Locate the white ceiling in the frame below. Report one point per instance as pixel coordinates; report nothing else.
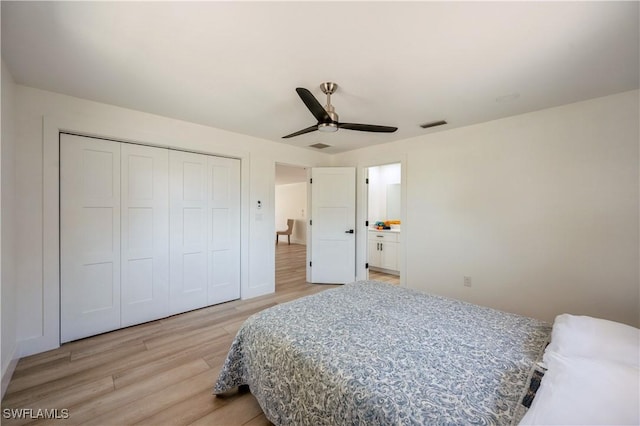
(235, 65)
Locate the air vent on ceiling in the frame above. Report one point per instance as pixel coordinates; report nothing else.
(433, 124)
(320, 145)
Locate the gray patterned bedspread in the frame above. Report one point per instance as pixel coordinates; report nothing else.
(370, 353)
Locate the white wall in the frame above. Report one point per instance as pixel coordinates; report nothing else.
(540, 209)
(7, 235)
(291, 203)
(36, 166)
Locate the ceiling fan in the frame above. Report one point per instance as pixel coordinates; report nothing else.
(327, 117)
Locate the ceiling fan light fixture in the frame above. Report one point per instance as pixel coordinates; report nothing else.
(328, 127)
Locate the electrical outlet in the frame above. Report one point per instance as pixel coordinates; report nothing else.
(467, 281)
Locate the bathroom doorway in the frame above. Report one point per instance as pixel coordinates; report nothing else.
(384, 233)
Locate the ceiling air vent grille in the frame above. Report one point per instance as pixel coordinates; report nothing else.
(320, 145)
(433, 124)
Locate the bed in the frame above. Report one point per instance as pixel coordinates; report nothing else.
(369, 353)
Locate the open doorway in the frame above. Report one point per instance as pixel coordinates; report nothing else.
(291, 241)
(384, 234)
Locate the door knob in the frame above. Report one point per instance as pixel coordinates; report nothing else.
(350, 231)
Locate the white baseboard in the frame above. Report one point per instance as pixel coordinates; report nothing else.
(8, 373)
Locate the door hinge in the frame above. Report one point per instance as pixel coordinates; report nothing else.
(310, 264)
(366, 266)
(311, 180)
(367, 181)
(310, 222)
(366, 223)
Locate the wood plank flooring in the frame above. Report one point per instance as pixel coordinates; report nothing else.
(158, 373)
(381, 276)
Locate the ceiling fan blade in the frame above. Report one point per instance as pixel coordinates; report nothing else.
(367, 127)
(314, 106)
(302, 132)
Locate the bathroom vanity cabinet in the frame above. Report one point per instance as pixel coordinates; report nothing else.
(384, 250)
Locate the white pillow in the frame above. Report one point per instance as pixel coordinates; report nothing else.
(594, 338)
(583, 391)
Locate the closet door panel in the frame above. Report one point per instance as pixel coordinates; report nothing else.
(224, 231)
(89, 236)
(188, 228)
(145, 233)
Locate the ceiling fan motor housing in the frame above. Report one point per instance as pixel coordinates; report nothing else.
(332, 112)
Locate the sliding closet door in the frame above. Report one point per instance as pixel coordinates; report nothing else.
(204, 230)
(224, 232)
(189, 226)
(89, 236)
(145, 233)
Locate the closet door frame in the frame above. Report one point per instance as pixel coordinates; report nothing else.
(210, 284)
(48, 336)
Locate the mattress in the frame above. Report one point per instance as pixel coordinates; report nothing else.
(371, 353)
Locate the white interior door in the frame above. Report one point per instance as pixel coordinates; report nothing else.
(333, 215)
(145, 233)
(189, 227)
(89, 236)
(224, 231)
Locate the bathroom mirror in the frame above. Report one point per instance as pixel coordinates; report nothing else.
(393, 201)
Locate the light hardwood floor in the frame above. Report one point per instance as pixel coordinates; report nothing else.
(158, 373)
(381, 276)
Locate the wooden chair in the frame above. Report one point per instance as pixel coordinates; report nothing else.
(288, 232)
